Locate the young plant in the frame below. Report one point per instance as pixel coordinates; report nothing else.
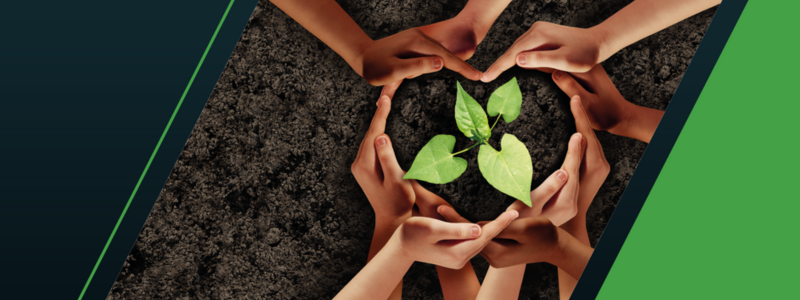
(509, 170)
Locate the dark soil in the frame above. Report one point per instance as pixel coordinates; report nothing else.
(261, 203)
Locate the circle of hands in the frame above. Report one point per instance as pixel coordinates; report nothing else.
(428, 228)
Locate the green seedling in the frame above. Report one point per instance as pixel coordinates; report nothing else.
(509, 170)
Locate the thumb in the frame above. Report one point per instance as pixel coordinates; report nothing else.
(441, 230)
(569, 85)
(391, 169)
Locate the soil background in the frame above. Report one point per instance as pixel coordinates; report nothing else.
(261, 203)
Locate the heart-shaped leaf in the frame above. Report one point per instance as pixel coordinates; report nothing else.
(509, 170)
(470, 117)
(506, 100)
(435, 163)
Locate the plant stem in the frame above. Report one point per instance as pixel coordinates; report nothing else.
(465, 150)
(495, 122)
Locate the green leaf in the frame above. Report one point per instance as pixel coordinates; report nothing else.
(506, 100)
(470, 117)
(435, 163)
(509, 170)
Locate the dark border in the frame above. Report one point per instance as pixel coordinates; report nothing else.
(621, 222)
(171, 148)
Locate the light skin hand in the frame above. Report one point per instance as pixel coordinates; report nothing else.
(456, 284)
(557, 197)
(388, 60)
(377, 172)
(607, 109)
(548, 46)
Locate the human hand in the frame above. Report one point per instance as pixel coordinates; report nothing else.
(557, 197)
(378, 173)
(459, 35)
(550, 46)
(525, 240)
(450, 245)
(606, 108)
(407, 54)
(594, 167)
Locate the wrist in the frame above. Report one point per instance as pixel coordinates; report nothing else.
(479, 22)
(603, 42)
(356, 57)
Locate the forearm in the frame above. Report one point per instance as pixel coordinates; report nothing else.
(502, 283)
(483, 13)
(573, 255)
(643, 18)
(378, 279)
(459, 284)
(331, 24)
(384, 228)
(577, 228)
(640, 124)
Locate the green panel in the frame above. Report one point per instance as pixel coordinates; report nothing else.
(723, 219)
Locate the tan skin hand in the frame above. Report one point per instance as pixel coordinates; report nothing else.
(557, 197)
(378, 173)
(606, 108)
(409, 53)
(550, 46)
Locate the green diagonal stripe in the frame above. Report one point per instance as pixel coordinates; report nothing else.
(158, 145)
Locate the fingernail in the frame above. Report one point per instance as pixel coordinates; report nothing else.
(476, 231)
(437, 62)
(382, 141)
(381, 99)
(515, 213)
(561, 175)
(557, 74)
(522, 59)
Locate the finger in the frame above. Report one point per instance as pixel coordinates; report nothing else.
(441, 230)
(412, 67)
(492, 229)
(449, 60)
(548, 189)
(515, 230)
(575, 152)
(389, 90)
(427, 202)
(548, 59)
(509, 58)
(366, 152)
(582, 119)
(569, 85)
(450, 214)
(391, 169)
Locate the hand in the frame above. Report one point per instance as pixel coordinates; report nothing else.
(407, 54)
(525, 240)
(606, 108)
(594, 167)
(378, 173)
(450, 245)
(557, 198)
(459, 35)
(550, 46)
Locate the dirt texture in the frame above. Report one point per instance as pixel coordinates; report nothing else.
(261, 203)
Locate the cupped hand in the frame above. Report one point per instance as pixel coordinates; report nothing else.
(557, 197)
(605, 106)
(550, 46)
(378, 173)
(594, 167)
(409, 53)
(449, 245)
